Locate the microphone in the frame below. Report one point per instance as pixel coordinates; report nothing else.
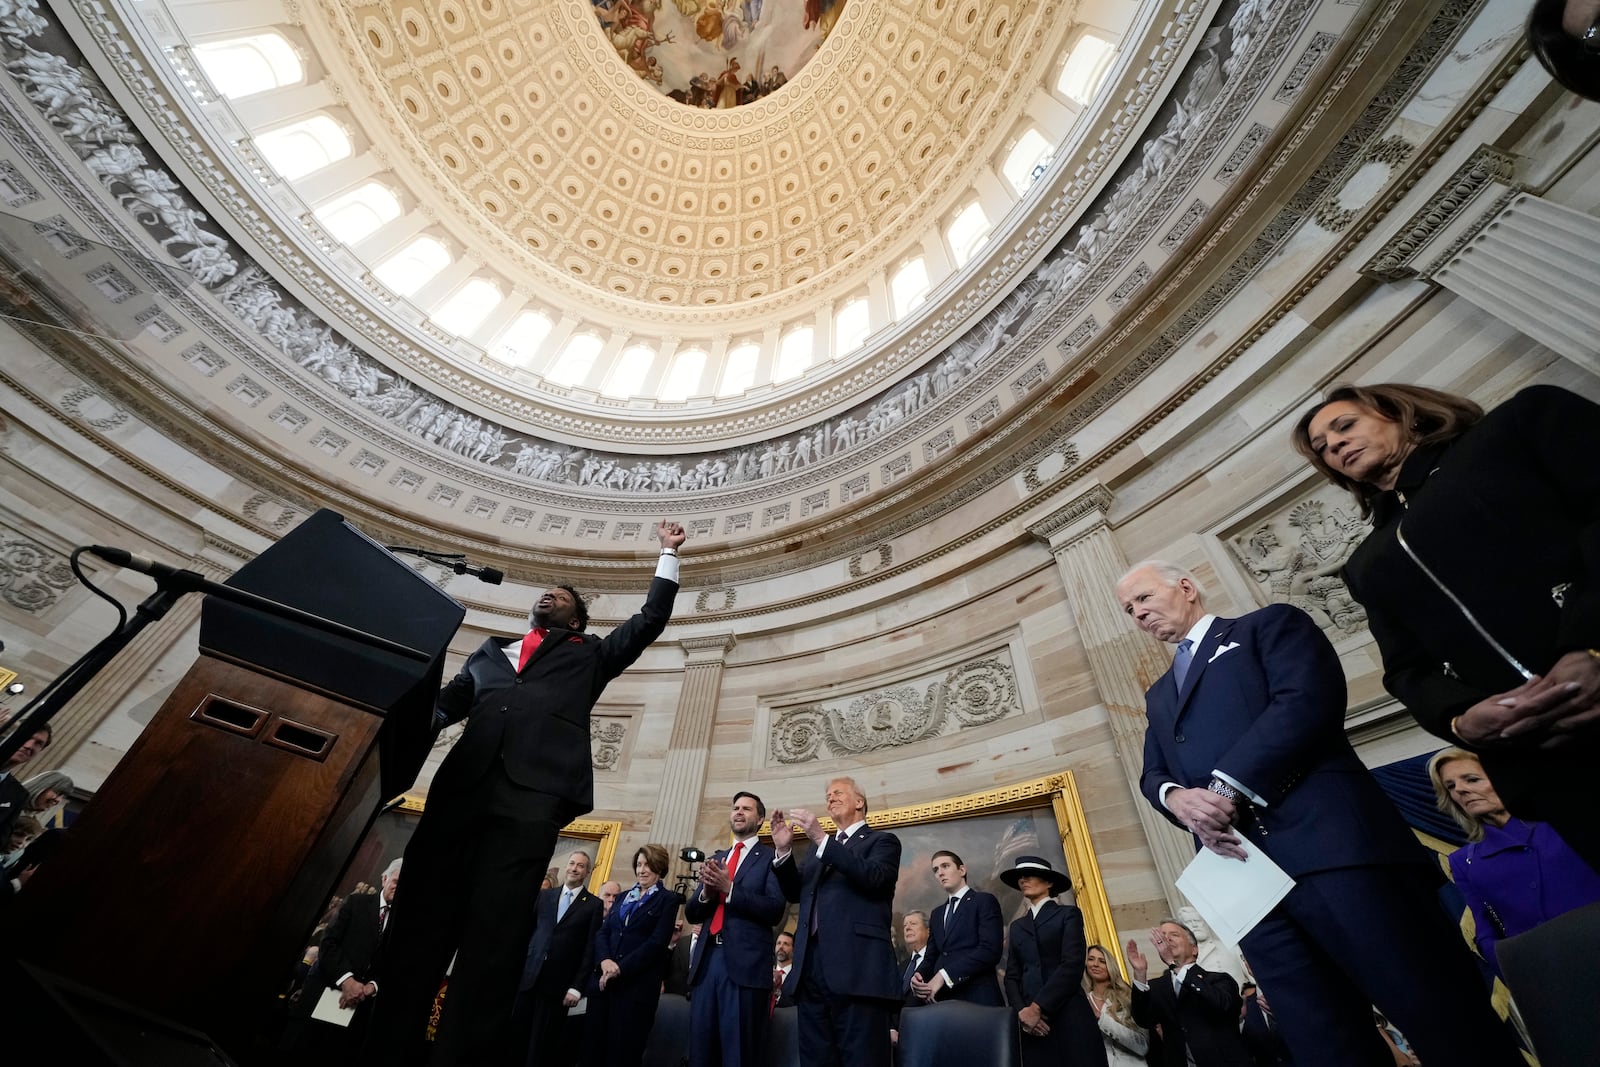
(455, 561)
(484, 574)
(161, 572)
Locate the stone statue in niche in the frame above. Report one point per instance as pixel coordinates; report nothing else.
(1296, 555)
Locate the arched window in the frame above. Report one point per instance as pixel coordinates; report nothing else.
(577, 356)
(1085, 68)
(627, 377)
(684, 377)
(909, 286)
(410, 268)
(467, 307)
(356, 214)
(851, 326)
(248, 65)
(305, 146)
(523, 338)
(1027, 160)
(739, 369)
(968, 232)
(794, 354)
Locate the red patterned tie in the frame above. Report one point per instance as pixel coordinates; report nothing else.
(733, 867)
(530, 645)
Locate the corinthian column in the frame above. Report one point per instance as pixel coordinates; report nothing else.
(1125, 661)
(683, 780)
(77, 721)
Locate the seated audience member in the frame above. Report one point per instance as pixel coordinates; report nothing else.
(914, 928)
(1565, 35)
(1259, 1028)
(13, 796)
(23, 832)
(631, 947)
(45, 791)
(1111, 1000)
(1197, 1011)
(1513, 874)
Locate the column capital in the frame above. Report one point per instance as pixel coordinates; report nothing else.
(1082, 514)
(711, 649)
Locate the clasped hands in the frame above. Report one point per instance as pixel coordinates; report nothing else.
(1210, 816)
(353, 991)
(927, 989)
(1544, 712)
(1032, 1020)
(608, 971)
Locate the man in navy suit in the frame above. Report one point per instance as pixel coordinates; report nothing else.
(560, 957)
(738, 905)
(966, 938)
(520, 771)
(1196, 1009)
(844, 978)
(1245, 736)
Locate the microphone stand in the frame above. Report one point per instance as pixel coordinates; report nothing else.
(169, 589)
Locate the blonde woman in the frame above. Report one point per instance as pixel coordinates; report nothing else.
(1109, 996)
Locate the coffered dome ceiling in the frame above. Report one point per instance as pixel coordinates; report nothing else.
(526, 123)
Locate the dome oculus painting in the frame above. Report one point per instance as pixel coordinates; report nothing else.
(717, 53)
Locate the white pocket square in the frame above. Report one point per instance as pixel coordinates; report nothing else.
(1229, 647)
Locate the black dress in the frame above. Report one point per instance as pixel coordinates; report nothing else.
(1507, 518)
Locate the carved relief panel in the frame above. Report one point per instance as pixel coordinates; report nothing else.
(1294, 554)
(935, 703)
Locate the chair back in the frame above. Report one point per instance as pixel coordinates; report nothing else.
(957, 1032)
(1543, 968)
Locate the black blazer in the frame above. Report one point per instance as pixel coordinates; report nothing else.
(851, 892)
(639, 945)
(561, 954)
(350, 944)
(1044, 960)
(537, 721)
(967, 949)
(13, 802)
(1205, 1016)
(756, 907)
(1266, 1045)
(1264, 702)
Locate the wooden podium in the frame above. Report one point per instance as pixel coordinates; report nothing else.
(189, 884)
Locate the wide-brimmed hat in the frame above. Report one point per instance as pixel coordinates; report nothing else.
(1039, 867)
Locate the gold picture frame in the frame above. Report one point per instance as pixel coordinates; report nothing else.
(1056, 792)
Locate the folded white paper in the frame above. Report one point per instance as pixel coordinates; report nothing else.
(328, 1009)
(1234, 895)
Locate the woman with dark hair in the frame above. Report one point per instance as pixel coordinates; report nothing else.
(1481, 576)
(625, 989)
(1565, 35)
(1513, 874)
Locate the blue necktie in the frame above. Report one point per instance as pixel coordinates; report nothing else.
(1180, 662)
(566, 902)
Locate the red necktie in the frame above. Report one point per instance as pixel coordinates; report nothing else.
(530, 645)
(733, 867)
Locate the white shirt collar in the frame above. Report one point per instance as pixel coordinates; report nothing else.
(747, 842)
(959, 893)
(1036, 907)
(853, 828)
(1197, 632)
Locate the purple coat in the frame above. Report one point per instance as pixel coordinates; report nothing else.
(1517, 877)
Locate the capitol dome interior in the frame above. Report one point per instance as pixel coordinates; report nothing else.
(926, 331)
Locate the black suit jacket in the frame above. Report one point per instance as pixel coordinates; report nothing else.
(13, 802)
(561, 954)
(850, 890)
(639, 945)
(1205, 1016)
(1044, 959)
(1262, 1038)
(351, 943)
(755, 907)
(1264, 702)
(536, 721)
(967, 949)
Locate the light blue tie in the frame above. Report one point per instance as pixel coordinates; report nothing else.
(566, 902)
(1180, 662)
